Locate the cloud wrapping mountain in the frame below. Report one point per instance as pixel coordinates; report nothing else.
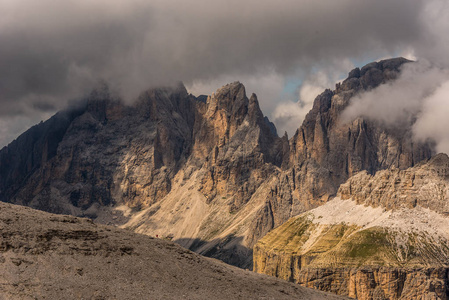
(418, 98)
(53, 51)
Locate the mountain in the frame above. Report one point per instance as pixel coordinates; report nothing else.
(383, 237)
(47, 256)
(207, 172)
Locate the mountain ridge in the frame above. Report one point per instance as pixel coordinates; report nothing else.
(211, 170)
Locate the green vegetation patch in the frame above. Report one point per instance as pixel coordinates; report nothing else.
(289, 236)
(343, 245)
(368, 245)
(330, 238)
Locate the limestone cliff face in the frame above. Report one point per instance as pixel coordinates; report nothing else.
(336, 150)
(241, 151)
(425, 186)
(209, 172)
(384, 237)
(31, 151)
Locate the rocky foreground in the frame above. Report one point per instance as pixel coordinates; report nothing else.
(386, 236)
(46, 256)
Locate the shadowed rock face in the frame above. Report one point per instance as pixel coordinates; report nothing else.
(46, 256)
(32, 150)
(107, 153)
(191, 168)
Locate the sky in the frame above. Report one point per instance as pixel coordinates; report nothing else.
(286, 52)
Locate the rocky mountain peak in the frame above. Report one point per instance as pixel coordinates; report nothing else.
(231, 91)
(372, 74)
(359, 144)
(230, 99)
(164, 100)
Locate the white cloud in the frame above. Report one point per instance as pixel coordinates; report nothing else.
(288, 115)
(433, 121)
(397, 103)
(418, 98)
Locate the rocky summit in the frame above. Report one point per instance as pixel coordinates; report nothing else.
(211, 174)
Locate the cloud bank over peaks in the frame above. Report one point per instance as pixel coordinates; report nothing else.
(420, 96)
(52, 51)
(56, 48)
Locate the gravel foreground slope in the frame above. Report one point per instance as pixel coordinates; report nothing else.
(47, 256)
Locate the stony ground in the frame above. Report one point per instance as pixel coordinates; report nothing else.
(46, 256)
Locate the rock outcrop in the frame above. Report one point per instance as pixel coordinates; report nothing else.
(209, 172)
(425, 185)
(384, 237)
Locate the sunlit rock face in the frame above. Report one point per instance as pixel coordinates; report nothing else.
(208, 172)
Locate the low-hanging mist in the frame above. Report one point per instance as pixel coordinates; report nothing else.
(419, 98)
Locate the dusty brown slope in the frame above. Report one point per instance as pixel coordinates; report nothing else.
(46, 256)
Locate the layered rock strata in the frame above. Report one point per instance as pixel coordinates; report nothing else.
(388, 239)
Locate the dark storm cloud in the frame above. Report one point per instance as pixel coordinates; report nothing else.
(52, 51)
(46, 45)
